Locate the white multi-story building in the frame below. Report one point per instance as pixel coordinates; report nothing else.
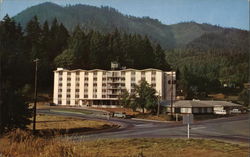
(103, 88)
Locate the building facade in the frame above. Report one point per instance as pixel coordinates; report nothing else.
(103, 88)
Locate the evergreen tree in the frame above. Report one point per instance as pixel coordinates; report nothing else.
(146, 98)
(13, 110)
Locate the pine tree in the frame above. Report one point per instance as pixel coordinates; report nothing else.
(13, 110)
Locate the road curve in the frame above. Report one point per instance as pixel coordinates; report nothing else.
(230, 128)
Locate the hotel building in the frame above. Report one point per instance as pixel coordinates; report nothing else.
(102, 88)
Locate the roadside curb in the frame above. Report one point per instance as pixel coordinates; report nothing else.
(148, 120)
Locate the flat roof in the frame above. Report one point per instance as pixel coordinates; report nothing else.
(129, 69)
(203, 103)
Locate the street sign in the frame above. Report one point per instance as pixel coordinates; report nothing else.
(188, 119)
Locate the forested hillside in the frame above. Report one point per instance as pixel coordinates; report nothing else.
(212, 62)
(106, 19)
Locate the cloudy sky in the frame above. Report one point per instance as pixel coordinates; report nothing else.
(226, 13)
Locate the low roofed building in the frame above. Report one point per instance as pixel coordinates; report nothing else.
(203, 106)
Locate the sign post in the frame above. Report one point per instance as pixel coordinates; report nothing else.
(188, 119)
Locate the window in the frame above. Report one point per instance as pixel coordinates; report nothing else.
(94, 96)
(59, 95)
(60, 72)
(86, 73)
(77, 96)
(132, 84)
(95, 73)
(115, 74)
(68, 95)
(78, 73)
(78, 79)
(123, 78)
(85, 96)
(60, 84)
(95, 78)
(104, 84)
(94, 90)
(68, 79)
(86, 79)
(123, 84)
(104, 79)
(143, 78)
(85, 90)
(104, 73)
(68, 84)
(86, 85)
(103, 96)
(59, 102)
(153, 72)
(153, 85)
(103, 90)
(60, 79)
(77, 84)
(153, 78)
(68, 90)
(77, 90)
(123, 73)
(133, 72)
(68, 73)
(95, 84)
(132, 78)
(68, 102)
(59, 90)
(143, 73)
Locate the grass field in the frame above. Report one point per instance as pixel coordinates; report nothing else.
(62, 122)
(31, 146)
(52, 125)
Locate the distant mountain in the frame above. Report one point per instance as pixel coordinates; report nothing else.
(106, 19)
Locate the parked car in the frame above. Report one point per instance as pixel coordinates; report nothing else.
(120, 114)
(51, 104)
(222, 112)
(235, 111)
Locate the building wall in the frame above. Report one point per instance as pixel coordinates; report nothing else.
(55, 92)
(170, 85)
(76, 87)
(186, 110)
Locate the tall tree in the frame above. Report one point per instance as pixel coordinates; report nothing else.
(13, 110)
(146, 97)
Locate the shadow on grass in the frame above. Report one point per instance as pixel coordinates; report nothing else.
(51, 121)
(74, 131)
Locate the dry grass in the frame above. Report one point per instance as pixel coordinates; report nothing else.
(62, 122)
(22, 144)
(126, 110)
(50, 125)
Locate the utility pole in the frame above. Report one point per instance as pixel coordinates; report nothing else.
(171, 94)
(158, 109)
(35, 97)
(1, 106)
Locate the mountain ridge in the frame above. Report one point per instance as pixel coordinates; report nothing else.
(106, 19)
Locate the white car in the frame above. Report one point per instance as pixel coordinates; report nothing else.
(120, 115)
(222, 112)
(235, 111)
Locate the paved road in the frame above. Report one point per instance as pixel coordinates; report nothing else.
(231, 128)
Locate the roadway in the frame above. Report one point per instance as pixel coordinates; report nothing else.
(234, 128)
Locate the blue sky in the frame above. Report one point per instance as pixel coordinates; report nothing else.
(226, 13)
